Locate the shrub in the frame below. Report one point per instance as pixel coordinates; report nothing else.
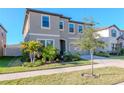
(35, 64)
(71, 57)
(122, 51)
(43, 61)
(25, 57)
(58, 57)
(75, 57)
(101, 53)
(49, 53)
(28, 64)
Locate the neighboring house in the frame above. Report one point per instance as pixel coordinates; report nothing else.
(2, 40)
(112, 36)
(52, 29)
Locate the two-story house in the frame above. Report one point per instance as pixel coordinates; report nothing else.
(52, 29)
(2, 40)
(112, 36)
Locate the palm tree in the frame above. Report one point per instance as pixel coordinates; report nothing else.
(31, 48)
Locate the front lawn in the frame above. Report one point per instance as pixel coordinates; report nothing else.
(117, 57)
(8, 61)
(5, 69)
(107, 76)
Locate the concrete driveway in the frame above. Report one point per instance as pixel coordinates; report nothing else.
(106, 61)
(87, 57)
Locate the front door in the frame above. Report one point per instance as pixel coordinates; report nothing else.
(62, 47)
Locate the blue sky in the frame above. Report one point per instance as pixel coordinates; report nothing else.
(13, 18)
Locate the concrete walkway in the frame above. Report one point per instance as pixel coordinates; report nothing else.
(102, 62)
(47, 72)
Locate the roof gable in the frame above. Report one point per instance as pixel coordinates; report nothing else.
(3, 28)
(104, 28)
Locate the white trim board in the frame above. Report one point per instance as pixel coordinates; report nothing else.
(73, 38)
(44, 35)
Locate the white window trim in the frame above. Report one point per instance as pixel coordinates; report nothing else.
(46, 41)
(74, 29)
(49, 22)
(78, 28)
(44, 34)
(63, 26)
(73, 38)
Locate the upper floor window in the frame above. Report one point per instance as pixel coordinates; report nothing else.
(80, 29)
(113, 33)
(71, 28)
(45, 21)
(61, 25)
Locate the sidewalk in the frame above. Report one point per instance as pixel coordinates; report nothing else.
(101, 63)
(47, 72)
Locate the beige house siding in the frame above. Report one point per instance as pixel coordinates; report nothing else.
(37, 32)
(27, 26)
(35, 24)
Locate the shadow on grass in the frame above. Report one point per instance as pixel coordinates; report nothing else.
(6, 60)
(75, 62)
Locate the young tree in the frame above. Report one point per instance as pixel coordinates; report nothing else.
(32, 48)
(89, 41)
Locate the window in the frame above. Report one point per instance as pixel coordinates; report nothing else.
(80, 29)
(113, 33)
(42, 42)
(71, 28)
(45, 21)
(61, 25)
(47, 42)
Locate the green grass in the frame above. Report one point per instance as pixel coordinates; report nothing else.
(9, 61)
(117, 57)
(5, 69)
(107, 76)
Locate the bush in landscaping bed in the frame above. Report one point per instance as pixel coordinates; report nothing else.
(71, 57)
(104, 54)
(27, 64)
(122, 51)
(49, 53)
(24, 57)
(35, 64)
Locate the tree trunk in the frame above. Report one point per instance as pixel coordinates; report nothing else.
(91, 53)
(31, 57)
